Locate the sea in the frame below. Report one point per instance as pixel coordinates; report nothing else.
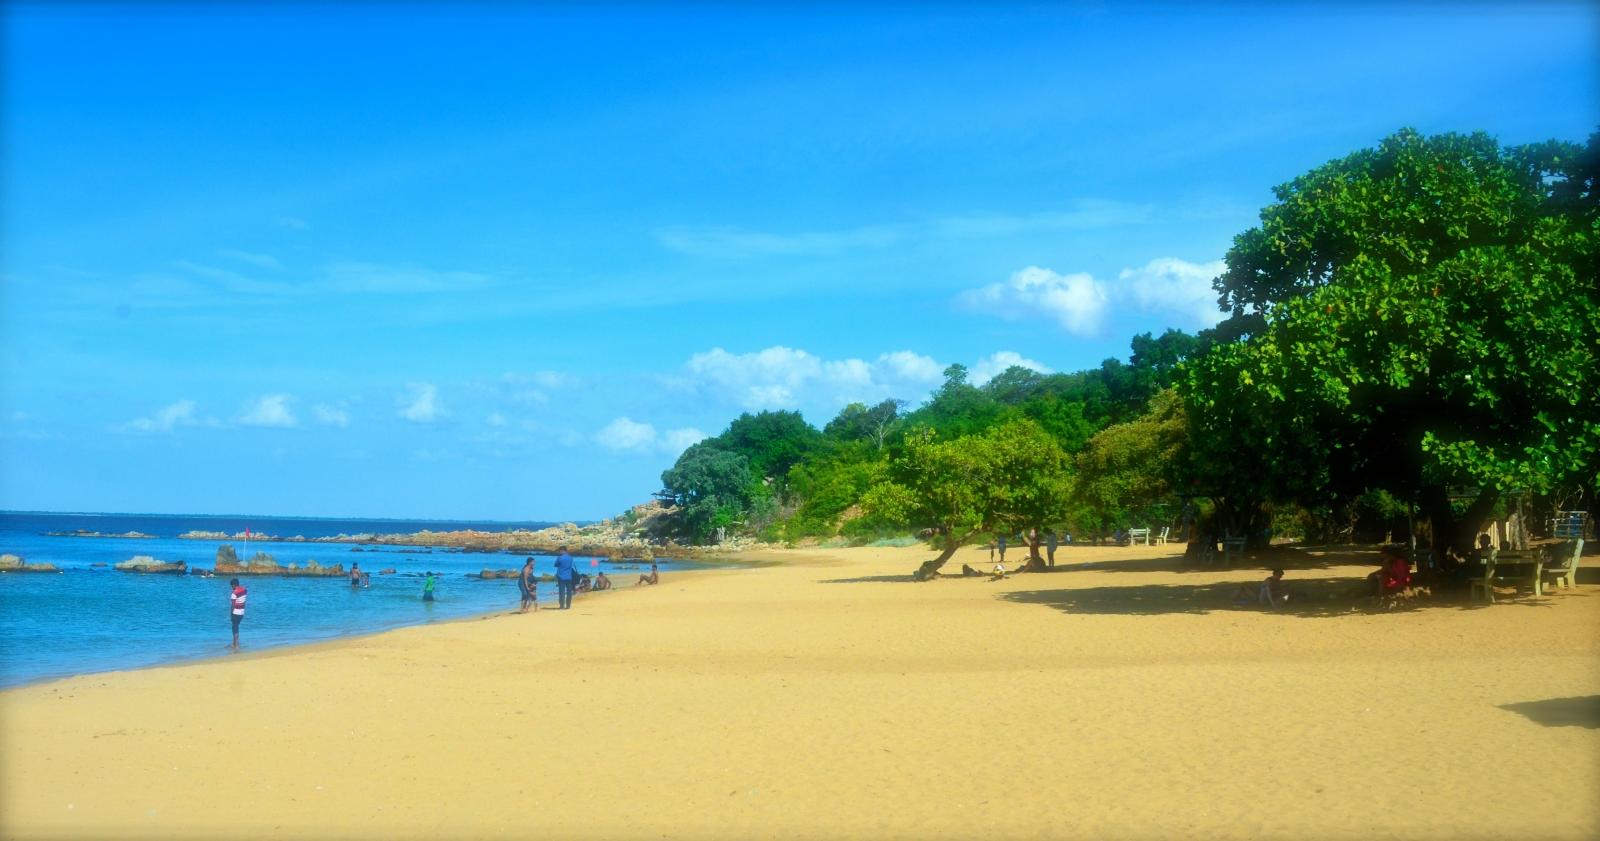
(91, 618)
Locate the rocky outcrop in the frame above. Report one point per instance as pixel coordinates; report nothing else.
(135, 535)
(499, 573)
(388, 571)
(494, 574)
(150, 566)
(261, 563)
(637, 534)
(13, 563)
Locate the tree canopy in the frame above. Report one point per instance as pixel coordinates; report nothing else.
(1415, 317)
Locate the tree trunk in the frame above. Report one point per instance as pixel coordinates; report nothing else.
(930, 569)
(1449, 533)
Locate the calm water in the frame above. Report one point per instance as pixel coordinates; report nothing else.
(89, 619)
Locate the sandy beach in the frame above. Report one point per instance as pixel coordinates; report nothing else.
(827, 696)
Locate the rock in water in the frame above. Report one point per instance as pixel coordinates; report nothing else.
(149, 565)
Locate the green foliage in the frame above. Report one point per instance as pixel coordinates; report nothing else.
(1125, 473)
(957, 408)
(772, 441)
(829, 486)
(1010, 477)
(857, 422)
(713, 488)
(1417, 316)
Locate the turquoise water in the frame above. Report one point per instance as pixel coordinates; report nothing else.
(89, 619)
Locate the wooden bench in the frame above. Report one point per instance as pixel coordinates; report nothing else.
(1518, 567)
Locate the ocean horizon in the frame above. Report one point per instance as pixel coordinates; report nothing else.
(90, 618)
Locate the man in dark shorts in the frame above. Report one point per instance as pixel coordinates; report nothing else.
(529, 585)
(355, 575)
(566, 579)
(236, 608)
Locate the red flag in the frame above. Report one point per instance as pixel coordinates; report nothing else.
(594, 562)
(246, 532)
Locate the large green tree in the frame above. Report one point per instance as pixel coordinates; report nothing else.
(1011, 476)
(712, 488)
(1416, 317)
(1125, 472)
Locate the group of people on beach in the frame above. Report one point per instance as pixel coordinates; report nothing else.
(569, 582)
(1051, 542)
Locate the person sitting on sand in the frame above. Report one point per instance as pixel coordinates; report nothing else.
(999, 572)
(585, 584)
(1395, 575)
(602, 581)
(653, 578)
(1273, 593)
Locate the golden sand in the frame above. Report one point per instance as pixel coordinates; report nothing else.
(830, 697)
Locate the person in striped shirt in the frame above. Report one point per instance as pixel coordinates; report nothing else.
(236, 605)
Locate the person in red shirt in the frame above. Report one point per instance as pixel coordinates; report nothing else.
(1395, 574)
(236, 608)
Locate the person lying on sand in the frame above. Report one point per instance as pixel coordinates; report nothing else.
(653, 578)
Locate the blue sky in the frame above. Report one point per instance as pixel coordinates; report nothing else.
(506, 261)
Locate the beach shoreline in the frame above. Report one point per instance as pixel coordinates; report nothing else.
(819, 693)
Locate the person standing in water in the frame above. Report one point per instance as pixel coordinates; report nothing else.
(355, 575)
(236, 608)
(566, 578)
(427, 588)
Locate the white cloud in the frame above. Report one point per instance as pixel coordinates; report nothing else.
(331, 415)
(1077, 302)
(269, 410)
(995, 363)
(423, 405)
(166, 418)
(627, 434)
(1178, 287)
(785, 378)
(495, 419)
(910, 367)
(762, 380)
(677, 440)
(848, 373)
